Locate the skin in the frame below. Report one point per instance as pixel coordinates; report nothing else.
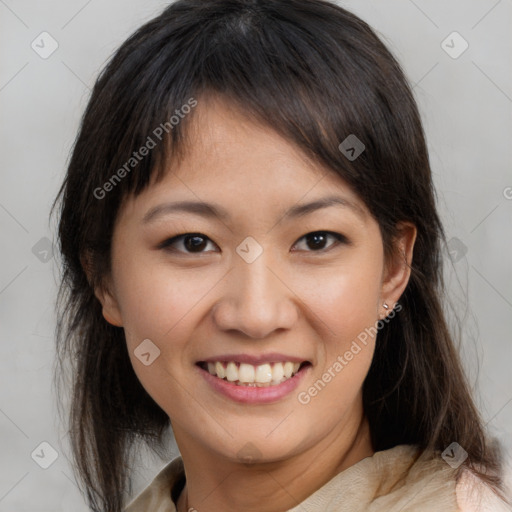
(296, 298)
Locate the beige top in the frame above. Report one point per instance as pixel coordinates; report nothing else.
(394, 480)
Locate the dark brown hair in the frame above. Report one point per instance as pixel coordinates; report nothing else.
(314, 73)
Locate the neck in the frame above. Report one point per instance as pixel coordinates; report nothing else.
(218, 485)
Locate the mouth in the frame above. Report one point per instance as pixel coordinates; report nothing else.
(263, 375)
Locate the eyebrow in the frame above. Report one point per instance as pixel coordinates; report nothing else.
(211, 210)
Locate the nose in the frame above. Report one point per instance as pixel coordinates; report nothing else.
(255, 300)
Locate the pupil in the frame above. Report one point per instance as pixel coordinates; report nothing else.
(194, 242)
(318, 237)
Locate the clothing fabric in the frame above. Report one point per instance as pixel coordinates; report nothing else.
(401, 479)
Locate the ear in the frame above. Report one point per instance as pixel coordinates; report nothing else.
(103, 293)
(397, 269)
(110, 310)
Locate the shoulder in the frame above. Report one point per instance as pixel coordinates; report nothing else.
(430, 480)
(157, 496)
(475, 495)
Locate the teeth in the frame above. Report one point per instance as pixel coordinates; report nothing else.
(288, 369)
(277, 373)
(263, 373)
(244, 374)
(219, 371)
(232, 372)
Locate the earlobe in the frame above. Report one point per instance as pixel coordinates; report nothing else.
(116, 322)
(110, 308)
(397, 270)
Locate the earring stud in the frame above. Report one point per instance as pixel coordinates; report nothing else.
(385, 306)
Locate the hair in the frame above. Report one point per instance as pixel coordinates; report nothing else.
(314, 73)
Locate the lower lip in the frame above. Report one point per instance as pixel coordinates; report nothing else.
(253, 394)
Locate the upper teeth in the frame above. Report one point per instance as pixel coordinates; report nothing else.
(272, 373)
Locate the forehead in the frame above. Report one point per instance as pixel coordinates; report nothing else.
(223, 139)
(232, 160)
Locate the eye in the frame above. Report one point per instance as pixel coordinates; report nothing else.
(316, 240)
(193, 242)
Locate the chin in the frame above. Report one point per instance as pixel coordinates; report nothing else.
(259, 447)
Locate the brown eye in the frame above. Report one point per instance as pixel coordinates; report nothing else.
(191, 242)
(317, 240)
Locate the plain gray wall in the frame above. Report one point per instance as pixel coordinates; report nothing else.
(466, 105)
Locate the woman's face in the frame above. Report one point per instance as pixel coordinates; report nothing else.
(271, 283)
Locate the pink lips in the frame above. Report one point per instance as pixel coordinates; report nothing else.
(254, 395)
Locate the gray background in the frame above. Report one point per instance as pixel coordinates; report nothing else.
(466, 106)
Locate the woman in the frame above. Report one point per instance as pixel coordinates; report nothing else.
(252, 256)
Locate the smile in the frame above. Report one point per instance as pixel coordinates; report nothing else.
(244, 374)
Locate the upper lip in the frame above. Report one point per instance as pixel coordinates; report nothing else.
(254, 359)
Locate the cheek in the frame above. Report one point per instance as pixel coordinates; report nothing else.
(157, 302)
(160, 305)
(344, 302)
(345, 298)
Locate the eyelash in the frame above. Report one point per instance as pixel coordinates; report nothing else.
(167, 244)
